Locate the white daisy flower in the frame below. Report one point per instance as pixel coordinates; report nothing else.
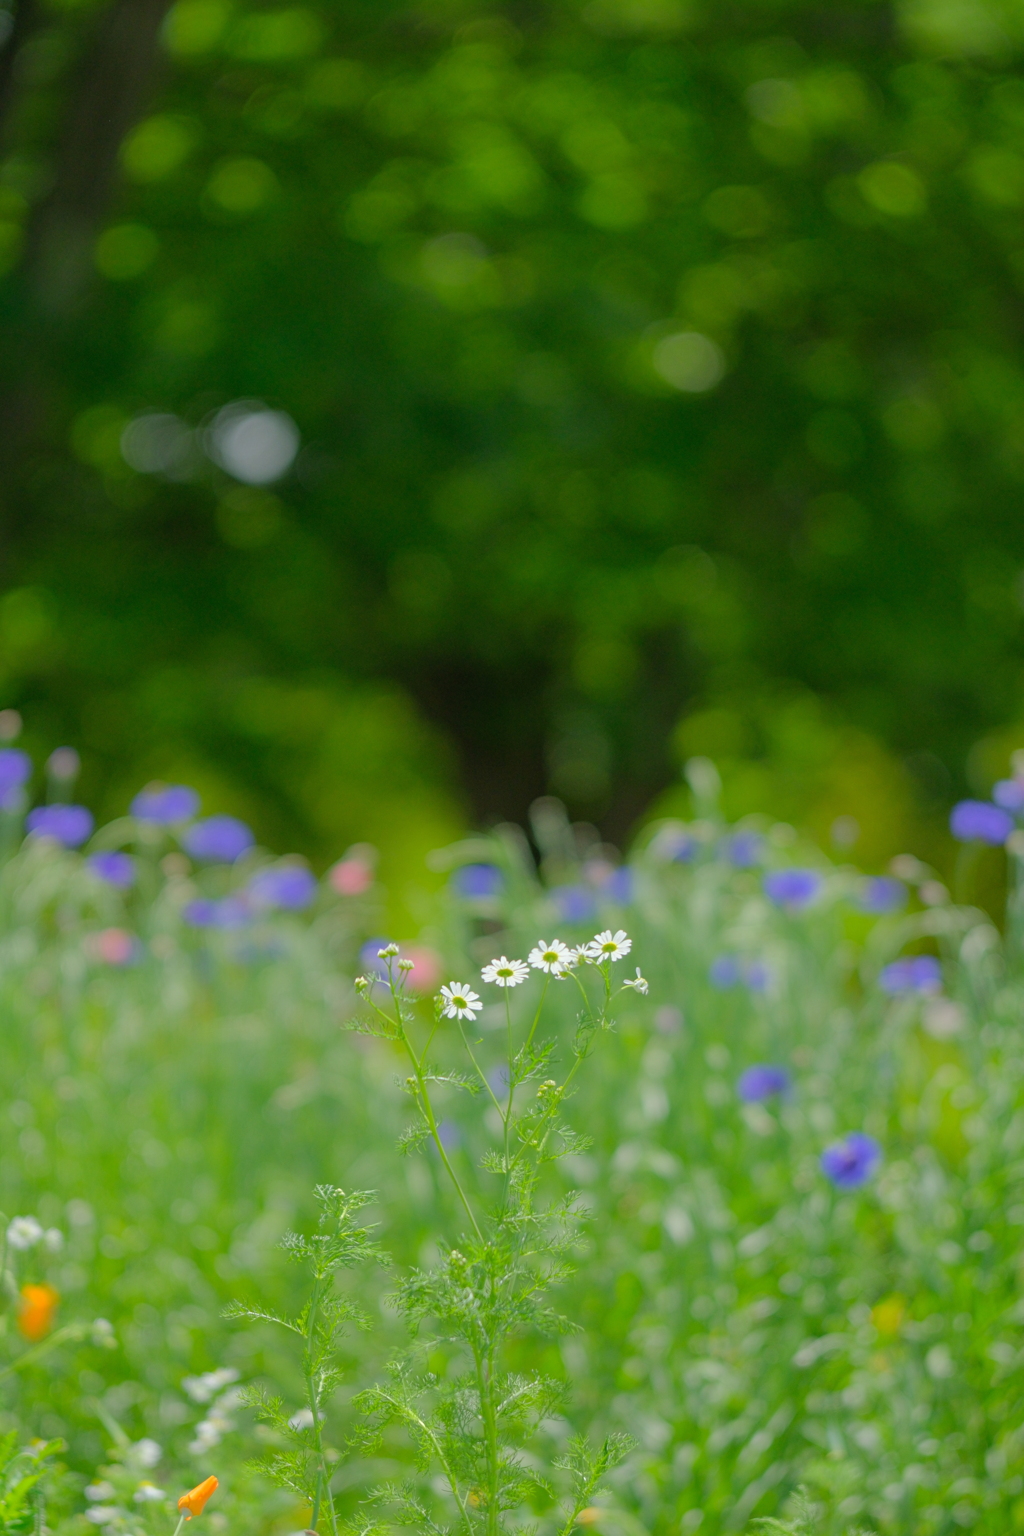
(459, 1002)
(610, 946)
(639, 985)
(24, 1232)
(146, 1493)
(506, 973)
(553, 957)
(580, 955)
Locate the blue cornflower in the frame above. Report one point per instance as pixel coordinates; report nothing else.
(852, 1161)
(792, 888)
(743, 849)
(290, 886)
(762, 1082)
(67, 824)
(115, 868)
(1009, 793)
(978, 821)
(883, 894)
(369, 958)
(477, 882)
(230, 913)
(165, 804)
(914, 973)
(449, 1135)
(221, 839)
(757, 976)
(725, 971)
(618, 887)
(573, 903)
(15, 768)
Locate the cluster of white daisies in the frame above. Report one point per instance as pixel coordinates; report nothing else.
(554, 958)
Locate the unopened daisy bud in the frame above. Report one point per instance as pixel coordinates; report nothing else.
(361, 983)
(194, 1502)
(407, 965)
(387, 952)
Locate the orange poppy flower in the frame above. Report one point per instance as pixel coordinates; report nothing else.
(194, 1502)
(38, 1305)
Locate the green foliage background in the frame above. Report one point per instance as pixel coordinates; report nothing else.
(449, 239)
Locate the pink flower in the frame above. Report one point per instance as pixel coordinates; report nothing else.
(426, 967)
(114, 946)
(351, 876)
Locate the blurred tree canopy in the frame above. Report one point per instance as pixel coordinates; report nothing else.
(657, 365)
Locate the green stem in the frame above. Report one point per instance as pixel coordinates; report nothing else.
(180, 1524)
(427, 1111)
(313, 1397)
(485, 1387)
(507, 1117)
(72, 1331)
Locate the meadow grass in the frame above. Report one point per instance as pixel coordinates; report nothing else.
(756, 1319)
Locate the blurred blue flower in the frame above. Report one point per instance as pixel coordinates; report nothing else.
(476, 882)
(762, 1082)
(757, 976)
(115, 868)
(68, 824)
(730, 971)
(1009, 793)
(573, 903)
(15, 768)
(679, 848)
(793, 888)
(725, 971)
(369, 958)
(883, 894)
(852, 1161)
(290, 886)
(222, 839)
(619, 886)
(165, 804)
(743, 849)
(230, 913)
(915, 973)
(449, 1135)
(978, 821)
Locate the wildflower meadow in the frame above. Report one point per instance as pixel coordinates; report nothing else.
(663, 1195)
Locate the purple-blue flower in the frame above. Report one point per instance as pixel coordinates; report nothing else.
(743, 849)
(914, 973)
(476, 882)
(680, 849)
(757, 976)
(115, 868)
(793, 888)
(852, 1161)
(978, 821)
(883, 894)
(15, 768)
(222, 839)
(762, 1082)
(573, 903)
(230, 913)
(725, 971)
(67, 824)
(369, 958)
(165, 804)
(1009, 793)
(290, 886)
(619, 886)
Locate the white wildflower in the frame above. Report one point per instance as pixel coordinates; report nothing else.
(102, 1333)
(96, 1491)
(610, 946)
(24, 1232)
(506, 973)
(146, 1453)
(302, 1419)
(553, 957)
(147, 1494)
(202, 1388)
(103, 1514)
(639, 985)
(459, 1002)
(53, 1239)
